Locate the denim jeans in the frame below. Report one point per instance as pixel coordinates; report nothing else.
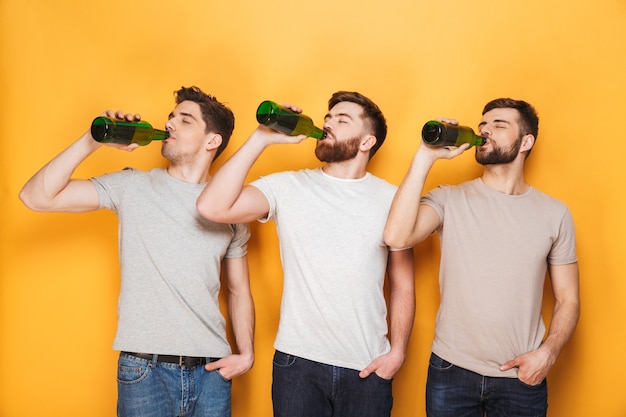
(456, 392)
(156, 389)
(304, 388)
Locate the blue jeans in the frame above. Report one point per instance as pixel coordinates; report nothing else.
(156, 389)
(456, 392)
(303, 388)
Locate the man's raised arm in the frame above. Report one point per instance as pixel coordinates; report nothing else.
(52, 187)
(225, 198)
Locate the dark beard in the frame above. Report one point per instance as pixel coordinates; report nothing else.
(338, 151)
(499, 155)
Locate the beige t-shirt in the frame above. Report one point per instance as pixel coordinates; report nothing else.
(495, 249)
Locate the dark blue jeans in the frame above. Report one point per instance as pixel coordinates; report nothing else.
(456, 392)
(304, 388)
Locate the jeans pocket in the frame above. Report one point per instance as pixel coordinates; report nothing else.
(381, 379)
(283, 360)
(131, 370)
(222, 377)
(438, 363)
(536, 387)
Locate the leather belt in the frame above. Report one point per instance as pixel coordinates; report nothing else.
(183, 361)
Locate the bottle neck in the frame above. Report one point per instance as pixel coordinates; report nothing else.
(160, 134)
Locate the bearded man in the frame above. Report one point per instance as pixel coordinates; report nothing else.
(499, 236)
(335, 355)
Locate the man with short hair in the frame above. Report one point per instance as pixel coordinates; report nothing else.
(175, 358)
(499, 236)
(334, 354)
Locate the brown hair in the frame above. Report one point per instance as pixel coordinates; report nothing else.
(372, 115)
(217, 117)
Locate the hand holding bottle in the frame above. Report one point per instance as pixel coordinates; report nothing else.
(124, 129)
(430, 153)
(449, 134)
(117, 115)
(273, 134)
(269, 136)
(287, 119)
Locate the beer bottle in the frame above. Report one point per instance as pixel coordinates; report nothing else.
(436, 133)
(109, 130)
(282, 119)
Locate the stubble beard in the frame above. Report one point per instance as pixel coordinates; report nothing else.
(168, 153)
(174, 156)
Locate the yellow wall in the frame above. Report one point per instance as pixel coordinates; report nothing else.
(63, 62)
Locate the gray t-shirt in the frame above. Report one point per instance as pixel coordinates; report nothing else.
(334, 260)
(170, 262)
(495, 250)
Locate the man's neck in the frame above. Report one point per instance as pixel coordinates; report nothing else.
(348, 170)
(191, 174)
(507, 179)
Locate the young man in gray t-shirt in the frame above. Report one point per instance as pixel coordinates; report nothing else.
(174, 354)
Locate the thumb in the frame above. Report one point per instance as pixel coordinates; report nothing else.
(509, 365)
(365, 372)
(212, 366)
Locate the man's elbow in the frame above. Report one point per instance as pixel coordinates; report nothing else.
(394, 240)
(211, 212)
(31, 201)
(204, 210)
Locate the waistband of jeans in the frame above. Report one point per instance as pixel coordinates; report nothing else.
(183, 361)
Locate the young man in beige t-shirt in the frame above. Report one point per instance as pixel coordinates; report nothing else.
(499, 236)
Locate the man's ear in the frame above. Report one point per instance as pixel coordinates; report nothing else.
(214, 142)
(528, 141)
(368, 142)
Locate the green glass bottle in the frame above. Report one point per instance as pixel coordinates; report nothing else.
(109, 130)
(282, 119)
(436, 133)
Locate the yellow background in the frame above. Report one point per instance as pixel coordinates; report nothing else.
(63, 62)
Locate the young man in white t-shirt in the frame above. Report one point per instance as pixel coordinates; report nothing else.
(334, 354)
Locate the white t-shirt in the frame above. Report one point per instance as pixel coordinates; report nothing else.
(334, 261)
